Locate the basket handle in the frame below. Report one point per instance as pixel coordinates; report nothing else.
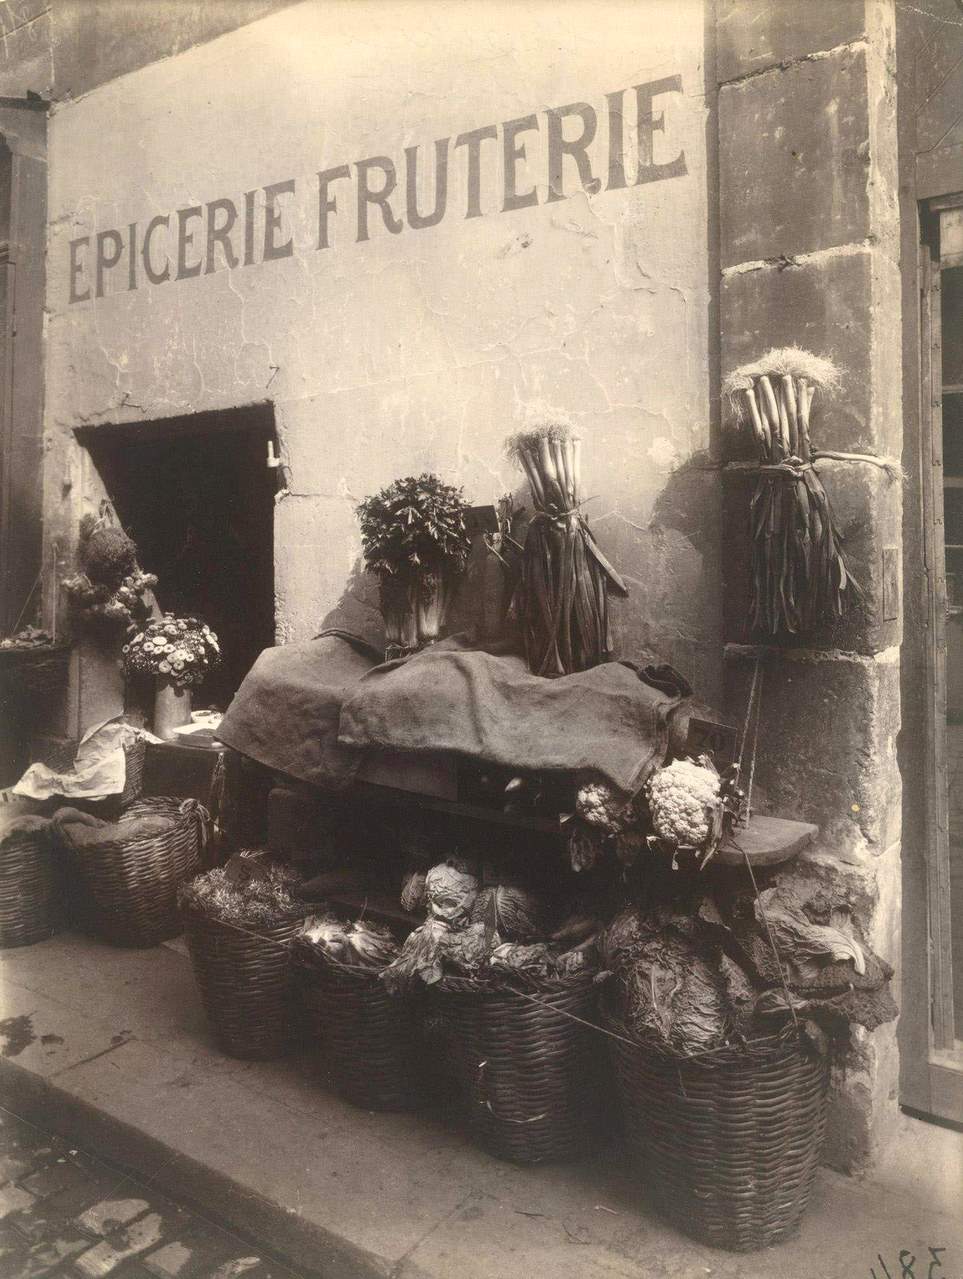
(202, 819)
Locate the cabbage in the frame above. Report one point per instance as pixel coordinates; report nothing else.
(516, 914)
(372, 944)
(799, 940)
(328, 934)
(540, 960)
(674, 996)
(621, 939)
(467, 951)
(420, 958)
(413, 891)
(451, 891)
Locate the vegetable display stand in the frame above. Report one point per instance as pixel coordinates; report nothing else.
(727, 1143)
(369, 1038)
(245, 977)
(123, 876)
(524, 1060)
(31, 905)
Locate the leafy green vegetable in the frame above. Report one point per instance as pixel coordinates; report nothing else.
(415, 525)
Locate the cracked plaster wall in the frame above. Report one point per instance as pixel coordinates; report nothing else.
(420, 350)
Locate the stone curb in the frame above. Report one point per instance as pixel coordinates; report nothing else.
(301, 1245)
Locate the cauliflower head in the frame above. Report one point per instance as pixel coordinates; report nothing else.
(598, 805)
(682, 797)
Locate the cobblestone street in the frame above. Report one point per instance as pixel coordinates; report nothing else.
(64, 1213)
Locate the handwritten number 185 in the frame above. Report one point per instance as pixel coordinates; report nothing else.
(907, 1261)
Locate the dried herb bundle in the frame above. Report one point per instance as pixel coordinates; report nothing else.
(562, 596)
(798, 574)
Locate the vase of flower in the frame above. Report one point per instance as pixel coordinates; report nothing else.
(172, 708)
(178, 652)
(415, 537)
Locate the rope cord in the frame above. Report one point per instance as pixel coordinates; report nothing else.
(772, 940)
(755, 740)
(523, 994)
(793, 466)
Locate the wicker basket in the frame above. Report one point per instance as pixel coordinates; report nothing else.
(369, 1038)
(31, 898)
(524, 1062)
(246, 982)
(124, 886)
(34, 670)
(726, 1144)
(135, 753)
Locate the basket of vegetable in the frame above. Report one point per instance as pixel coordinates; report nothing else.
(240, 921)
(368, 1038)
(31, 904)
(523, 1054)
(727, 1143)
(722, 1065)
(514, 1013)
(123, 875)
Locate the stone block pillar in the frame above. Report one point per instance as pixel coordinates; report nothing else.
(809, 256)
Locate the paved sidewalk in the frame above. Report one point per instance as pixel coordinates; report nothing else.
(111, 1049)
(65, 1213)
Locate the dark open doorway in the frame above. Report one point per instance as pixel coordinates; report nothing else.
(197, 496)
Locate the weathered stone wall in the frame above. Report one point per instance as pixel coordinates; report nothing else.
(410, 349)
(810, 256)
(60, 49)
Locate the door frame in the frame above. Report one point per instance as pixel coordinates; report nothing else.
(932, 1073)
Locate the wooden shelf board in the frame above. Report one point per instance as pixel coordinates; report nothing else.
(521, 821)
(767, 841)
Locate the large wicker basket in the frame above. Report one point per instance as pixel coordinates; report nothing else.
(31, 899)
(245, 977)
(123, 884)
(726, 1144)
(369, 1039)
(523, 1059)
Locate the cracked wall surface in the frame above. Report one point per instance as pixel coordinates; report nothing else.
(424, 349)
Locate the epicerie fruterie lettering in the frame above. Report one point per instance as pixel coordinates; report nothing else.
(379, 194)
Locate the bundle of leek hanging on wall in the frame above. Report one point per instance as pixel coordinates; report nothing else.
(798, 574)
(562, 595)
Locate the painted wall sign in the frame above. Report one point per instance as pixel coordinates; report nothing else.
(412, 227)
(358, 199)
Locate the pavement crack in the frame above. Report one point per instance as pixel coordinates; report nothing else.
(93, 1057)
(399, 1265)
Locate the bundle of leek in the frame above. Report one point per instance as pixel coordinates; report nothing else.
(798, 574)
(562, 595)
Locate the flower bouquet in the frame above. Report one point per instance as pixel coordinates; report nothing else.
(415, 538)
(179, 652)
